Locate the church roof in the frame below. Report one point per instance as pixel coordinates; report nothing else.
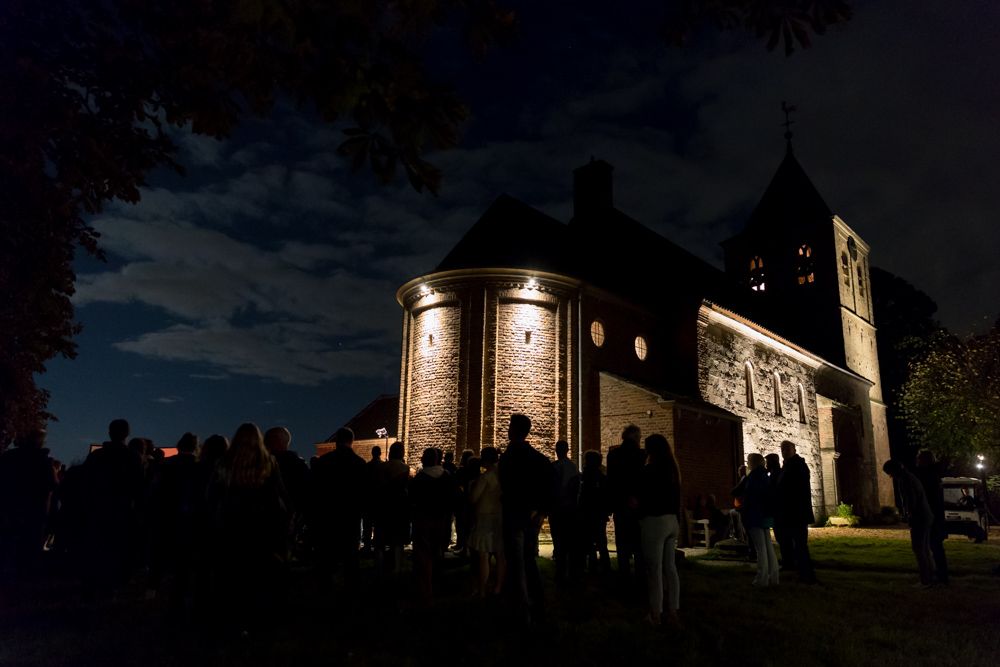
(790, 201)
(609, 250)
(628, 258)
(383, 412)
(511, 234)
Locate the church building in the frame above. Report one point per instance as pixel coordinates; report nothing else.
(589, 326)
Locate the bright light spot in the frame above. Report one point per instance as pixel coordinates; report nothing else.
(532, 283)
(979, 465)
(424, 291)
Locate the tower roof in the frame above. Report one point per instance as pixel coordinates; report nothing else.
(790, 201)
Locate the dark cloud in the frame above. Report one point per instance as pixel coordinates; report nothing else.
(273, 261)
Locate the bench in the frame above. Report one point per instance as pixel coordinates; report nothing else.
(697, 530)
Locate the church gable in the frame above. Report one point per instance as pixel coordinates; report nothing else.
(768, 383)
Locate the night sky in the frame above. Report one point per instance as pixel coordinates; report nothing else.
(261, 286)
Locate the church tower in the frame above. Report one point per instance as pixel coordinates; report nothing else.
(808, 272)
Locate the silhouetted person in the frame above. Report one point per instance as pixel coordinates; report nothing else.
(206, 537)
(736, 514)
(449, 463)
(658, 510)
(392, 509)
(486, 536)
(141, 446)
(930, 479)
(595, 510)
(793, 513)
(27, 482)
(564, 515)
(432, 495)
(919, 515)
(294, 469)
(112, 490)
(625, 464)
(463, 510)
(372, 468)
(294, 475)
(339, 486)
(70, 526)
(171, 503)
(758, 518)
(251, 512)
(526, 483)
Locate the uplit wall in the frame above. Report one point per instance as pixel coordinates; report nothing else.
(434, 352)
(725, 347)
(478, 346)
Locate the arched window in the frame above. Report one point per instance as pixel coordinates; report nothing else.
(805, 270)
(640, 348)
(748, 378)
(597, 333)
(802, 404)
(757, 274)
(845, 267)
(777, 394)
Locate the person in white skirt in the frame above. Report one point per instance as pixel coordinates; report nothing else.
(486, 535)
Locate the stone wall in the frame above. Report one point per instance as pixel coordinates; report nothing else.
(723, 353)
(860, 350)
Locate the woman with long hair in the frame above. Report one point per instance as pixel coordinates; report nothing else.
(251, 516)
(659, 504)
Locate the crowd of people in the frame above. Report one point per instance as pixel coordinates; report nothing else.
(219, 514)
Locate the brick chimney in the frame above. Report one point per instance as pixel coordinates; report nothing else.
(592, 189)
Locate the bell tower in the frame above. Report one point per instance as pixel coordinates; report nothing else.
(807, 277)
(807, 270)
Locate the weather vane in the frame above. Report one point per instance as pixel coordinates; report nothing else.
(788, 121)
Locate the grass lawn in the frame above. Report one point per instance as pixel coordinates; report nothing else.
(864, 612)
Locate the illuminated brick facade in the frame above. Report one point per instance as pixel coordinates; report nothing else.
(479, 346)
(504, 325)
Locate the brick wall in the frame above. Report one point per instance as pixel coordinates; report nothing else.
(362, 448)
(707, 456)
(526, 371)
(500, 346)
(434, 390)
(623, 403)
(707, 448)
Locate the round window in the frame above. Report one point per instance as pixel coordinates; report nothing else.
(597, 333)
(640, 347)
